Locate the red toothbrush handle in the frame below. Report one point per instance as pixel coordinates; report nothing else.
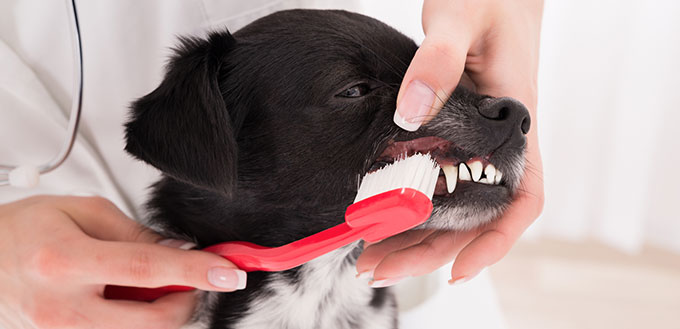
(251, 257)
(141, 294)
(372, 219)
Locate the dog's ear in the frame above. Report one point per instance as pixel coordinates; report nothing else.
(183, 127)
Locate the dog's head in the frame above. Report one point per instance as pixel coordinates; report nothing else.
(293, 108)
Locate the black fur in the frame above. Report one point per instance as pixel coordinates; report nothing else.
(160, 134)
(257, 143)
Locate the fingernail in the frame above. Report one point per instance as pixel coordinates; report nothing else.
(365, 275)
(227, 278)
(384, 283)
(459, 280)
(462, 279)
(180, 244)
(414, 106)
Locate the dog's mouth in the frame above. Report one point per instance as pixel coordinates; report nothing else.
(460, 170)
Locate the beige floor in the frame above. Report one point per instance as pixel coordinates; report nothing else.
(557, 285)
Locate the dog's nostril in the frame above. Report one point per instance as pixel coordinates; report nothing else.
(494, 112)
(526, 124)
(505, 112)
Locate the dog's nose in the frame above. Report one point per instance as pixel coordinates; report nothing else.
(508, 118)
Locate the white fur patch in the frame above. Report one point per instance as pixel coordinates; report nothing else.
(327, 296)
(457, 219)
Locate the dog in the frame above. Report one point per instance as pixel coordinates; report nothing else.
(261, 137)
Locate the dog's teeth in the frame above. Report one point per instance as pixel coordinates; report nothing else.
(451, 173)
(490, 172)
(484, 181)
(499, 175)
(476, 169)
(464, 172)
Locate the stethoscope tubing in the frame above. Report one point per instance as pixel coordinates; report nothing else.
(76, 108)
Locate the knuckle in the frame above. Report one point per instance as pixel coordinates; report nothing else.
(141, 267)
(98, 202)
(443, 48)
(49, 262)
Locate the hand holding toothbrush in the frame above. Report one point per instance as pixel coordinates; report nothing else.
(58, 252)
(495, 42)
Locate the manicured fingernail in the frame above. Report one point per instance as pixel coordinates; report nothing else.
(180, 244)
(462, 279)
(384, 283)
(414, 106)
(459, 280)
(365, 275)
(227, 278)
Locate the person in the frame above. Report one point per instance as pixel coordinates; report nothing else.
(60, 251)
(496, 44)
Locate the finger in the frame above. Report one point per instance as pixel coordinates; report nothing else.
(101, 219)
(500, 75)
(431, 77)
(492, 245)
(373, 254)
(171, 311)
(436, 250)
(150, 265)
(507, 63)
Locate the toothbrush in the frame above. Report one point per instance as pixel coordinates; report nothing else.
(389, 201)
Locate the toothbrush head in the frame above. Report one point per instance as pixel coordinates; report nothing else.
(395, 198)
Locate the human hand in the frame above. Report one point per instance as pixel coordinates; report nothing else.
(496, 43)
(58, 253)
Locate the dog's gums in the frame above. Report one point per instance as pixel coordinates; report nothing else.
(455, 165)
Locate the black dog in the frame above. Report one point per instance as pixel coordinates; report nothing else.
(262, 136)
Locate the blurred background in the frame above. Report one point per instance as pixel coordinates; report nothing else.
(606, 251)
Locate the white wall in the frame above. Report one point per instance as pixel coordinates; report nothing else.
(609, 111)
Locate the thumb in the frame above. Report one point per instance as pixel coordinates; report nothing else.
(103, 220)
(430, 79)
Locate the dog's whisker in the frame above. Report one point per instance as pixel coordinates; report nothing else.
(399, 73)
(394, 56)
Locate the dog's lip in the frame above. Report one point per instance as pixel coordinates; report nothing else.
(437, 147)
(443, 151)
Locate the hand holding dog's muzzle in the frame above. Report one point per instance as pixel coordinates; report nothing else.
(496, 44)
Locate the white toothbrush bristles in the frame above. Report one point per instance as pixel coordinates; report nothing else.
(419, 172)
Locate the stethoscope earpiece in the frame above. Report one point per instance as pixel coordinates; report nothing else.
(24, 176)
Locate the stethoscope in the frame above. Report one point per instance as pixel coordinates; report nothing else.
(29, 175)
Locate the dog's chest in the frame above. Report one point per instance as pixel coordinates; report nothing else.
(327, 295)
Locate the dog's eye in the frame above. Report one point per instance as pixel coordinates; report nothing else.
(355, 91)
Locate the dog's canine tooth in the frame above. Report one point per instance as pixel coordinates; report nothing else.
(451, 173)
(499, 175)
(490, 172)
(476, 170)
(464, 172)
